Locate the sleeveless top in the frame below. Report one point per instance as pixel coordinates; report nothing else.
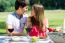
(35, 30)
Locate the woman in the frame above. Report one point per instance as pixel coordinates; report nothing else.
(37, 22)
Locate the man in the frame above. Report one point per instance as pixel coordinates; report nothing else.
(17, 19)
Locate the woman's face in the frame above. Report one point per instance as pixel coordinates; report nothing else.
(32, 12)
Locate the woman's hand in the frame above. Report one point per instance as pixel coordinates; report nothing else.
(43, 37)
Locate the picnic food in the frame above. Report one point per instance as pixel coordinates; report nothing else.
(44, 36)
(34, 38)
(16, 38)
(59, 30)
(51, 29)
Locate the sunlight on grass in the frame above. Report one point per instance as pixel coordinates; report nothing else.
(2, 30)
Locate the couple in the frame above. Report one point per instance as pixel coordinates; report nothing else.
(36, 23)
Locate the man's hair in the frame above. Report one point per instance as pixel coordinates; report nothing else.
(20, 3)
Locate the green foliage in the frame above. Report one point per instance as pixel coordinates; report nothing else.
(6, 4)
(51, 4)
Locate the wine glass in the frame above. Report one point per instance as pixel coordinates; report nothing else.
(11, 30)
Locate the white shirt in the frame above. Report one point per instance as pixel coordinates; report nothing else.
(15, 22)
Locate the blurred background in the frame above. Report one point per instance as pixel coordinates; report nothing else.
(54, 11)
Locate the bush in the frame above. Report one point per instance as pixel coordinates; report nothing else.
(53, 4)
(50, 4)
(6, 5)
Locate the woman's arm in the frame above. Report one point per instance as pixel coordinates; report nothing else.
(28, 25)
(45, 22)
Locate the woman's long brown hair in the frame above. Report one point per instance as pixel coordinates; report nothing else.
(39, 14)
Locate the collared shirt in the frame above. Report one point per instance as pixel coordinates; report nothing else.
(16, 21)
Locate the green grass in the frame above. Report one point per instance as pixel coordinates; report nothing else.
(55, 18)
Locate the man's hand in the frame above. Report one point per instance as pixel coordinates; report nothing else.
(17, 34)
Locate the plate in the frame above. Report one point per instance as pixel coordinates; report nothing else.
(20, 38)
(16, 38)
(2, 36)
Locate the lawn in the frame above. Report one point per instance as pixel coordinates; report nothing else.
(55, 18)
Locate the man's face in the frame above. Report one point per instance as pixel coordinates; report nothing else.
(25, 9)
(22, 10)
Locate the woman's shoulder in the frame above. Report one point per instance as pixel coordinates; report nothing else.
(45, 19)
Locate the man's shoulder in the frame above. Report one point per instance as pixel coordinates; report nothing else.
(9, 18)
(11, 14)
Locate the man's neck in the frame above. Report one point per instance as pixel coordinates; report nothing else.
(20, 15)
(18, 12)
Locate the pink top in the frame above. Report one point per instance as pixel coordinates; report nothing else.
(35, 29)
(36, 32)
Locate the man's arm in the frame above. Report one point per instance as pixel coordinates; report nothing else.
(9, 23)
